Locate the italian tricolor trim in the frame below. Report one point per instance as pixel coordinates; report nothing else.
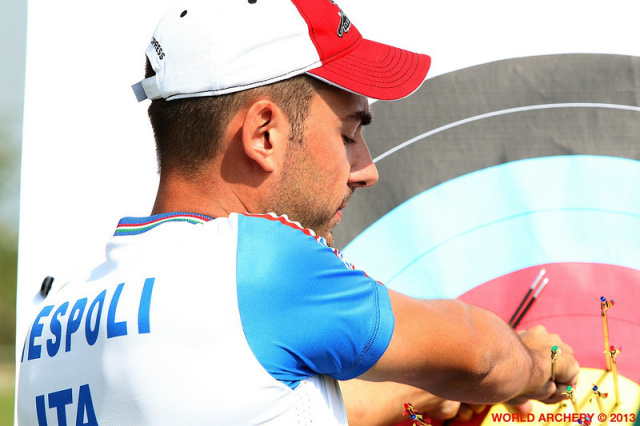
(139, 225)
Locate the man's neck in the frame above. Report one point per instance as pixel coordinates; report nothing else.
(196, 196)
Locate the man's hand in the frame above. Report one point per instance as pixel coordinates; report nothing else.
(539, 341)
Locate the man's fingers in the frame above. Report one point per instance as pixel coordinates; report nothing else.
(477, 408)
(464, 413)
(525, 408)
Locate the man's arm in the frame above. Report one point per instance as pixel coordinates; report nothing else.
(464, 353)
(382, 403)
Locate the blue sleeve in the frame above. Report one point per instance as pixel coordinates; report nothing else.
(303, 310)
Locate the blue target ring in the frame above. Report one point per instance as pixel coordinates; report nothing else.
(475, 228)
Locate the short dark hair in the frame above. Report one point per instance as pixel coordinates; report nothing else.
(188, 131)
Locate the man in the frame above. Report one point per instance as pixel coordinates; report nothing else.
(218, 308)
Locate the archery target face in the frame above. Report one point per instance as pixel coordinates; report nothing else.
(490, 174)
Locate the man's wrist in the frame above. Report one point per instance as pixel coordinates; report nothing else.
(540, 372)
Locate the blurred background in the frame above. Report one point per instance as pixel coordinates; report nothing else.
(13, 19)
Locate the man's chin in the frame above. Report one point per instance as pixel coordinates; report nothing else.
(327, 235)
(324, 230)
(329, 238)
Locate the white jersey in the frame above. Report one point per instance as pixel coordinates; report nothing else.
(198, 321)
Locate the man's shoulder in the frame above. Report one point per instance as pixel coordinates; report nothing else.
(269, 226)
(285, 242)
(273, 221)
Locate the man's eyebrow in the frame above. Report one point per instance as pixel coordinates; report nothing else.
(363, 117)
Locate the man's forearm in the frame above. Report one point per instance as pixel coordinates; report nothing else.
(468, 354)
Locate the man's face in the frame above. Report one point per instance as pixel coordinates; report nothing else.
(321, 172)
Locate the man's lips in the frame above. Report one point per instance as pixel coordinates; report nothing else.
(339, 211)
(345, 201)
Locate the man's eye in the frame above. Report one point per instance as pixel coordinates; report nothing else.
(347, 140)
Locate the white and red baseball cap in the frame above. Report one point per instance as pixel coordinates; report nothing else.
(213, 47)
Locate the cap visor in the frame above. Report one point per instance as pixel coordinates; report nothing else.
(377, 71)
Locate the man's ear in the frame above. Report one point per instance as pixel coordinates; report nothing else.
(265, 134)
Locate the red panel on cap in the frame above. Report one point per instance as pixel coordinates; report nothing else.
(356, 64)
(378, 71)
(329, 28)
